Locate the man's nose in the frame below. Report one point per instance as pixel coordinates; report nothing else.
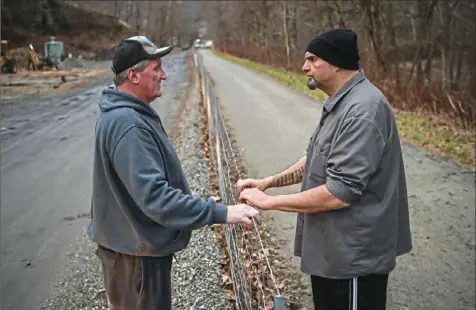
(305, 67)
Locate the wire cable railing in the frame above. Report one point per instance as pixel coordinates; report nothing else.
(254, 283)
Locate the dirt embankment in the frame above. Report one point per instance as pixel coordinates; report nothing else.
(82, 32)
(87, 35)
(38, 84)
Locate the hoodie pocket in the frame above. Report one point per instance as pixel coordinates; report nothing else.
(107, 257)
(178, 236)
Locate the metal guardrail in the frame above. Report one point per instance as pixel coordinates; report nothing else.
(254, 284)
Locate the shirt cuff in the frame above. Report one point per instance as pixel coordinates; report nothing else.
(220, 213)
(342, 191)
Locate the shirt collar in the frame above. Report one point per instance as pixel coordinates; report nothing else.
(335, 98)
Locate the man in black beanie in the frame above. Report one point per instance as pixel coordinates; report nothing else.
(353, 217)
(338, 57)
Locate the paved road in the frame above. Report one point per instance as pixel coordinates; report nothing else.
(46, 160)
(273, 124)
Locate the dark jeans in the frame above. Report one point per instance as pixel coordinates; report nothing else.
(362, 293)
(136, 283)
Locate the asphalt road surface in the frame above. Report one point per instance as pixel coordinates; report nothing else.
(273, 124)
(46, 163)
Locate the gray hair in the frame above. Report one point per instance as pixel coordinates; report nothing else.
(121, 77)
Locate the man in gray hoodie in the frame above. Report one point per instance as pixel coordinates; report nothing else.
(142, 210)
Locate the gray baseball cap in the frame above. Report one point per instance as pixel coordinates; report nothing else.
(135, 49)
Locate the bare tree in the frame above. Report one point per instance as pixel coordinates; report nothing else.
(286, 34)
(420, 53)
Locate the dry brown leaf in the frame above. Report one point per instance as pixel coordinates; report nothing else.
(269, 304)
(216, 198)
(230, 294)
(225, 278)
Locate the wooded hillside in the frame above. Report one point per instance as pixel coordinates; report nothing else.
(422, 53)
(86, 26)
(82, 32)
(165, 22)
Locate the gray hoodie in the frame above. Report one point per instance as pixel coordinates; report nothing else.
(141, 203)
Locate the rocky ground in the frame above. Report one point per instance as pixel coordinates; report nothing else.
(73, 73)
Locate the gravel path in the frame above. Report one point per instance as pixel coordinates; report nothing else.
(196, 275)
(197, 279)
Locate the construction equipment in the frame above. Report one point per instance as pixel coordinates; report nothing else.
(54, 52)
(8, 63)
(33, 59)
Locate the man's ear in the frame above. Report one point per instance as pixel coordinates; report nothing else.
(336, 69)
(132, 76)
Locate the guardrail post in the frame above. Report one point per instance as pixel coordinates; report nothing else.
(279, 303)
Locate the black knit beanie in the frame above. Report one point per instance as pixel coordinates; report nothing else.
(338, 47)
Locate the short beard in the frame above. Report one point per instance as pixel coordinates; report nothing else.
(312, 84)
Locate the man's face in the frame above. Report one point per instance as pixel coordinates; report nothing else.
(150, 78)
(318, 69)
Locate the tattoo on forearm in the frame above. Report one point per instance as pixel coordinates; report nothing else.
(291, 178)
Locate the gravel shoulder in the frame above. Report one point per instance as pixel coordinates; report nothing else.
(272, 125)
(196, 274)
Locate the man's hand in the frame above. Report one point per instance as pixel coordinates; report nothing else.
(257, 198)
(261, 184)
(241, 214)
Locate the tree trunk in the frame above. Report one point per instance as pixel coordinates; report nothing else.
(286, 35)
(393, 45)
(129, 12)
(116, 8)
(165, 25)
(149, 19)
(138, 16)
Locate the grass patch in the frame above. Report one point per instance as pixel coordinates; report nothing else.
(427, 131)
(292, 79)
(433, 134)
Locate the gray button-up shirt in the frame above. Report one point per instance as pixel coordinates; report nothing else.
(356, 152)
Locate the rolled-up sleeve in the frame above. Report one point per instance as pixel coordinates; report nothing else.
(354, 157)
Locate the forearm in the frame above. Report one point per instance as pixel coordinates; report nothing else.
(172, 208)
(140, 167)
(292, 175)
(318, 199)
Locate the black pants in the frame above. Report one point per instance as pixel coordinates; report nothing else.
(136, 283)
(362, 293)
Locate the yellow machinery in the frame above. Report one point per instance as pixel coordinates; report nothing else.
(8, 64)
(33, 59)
